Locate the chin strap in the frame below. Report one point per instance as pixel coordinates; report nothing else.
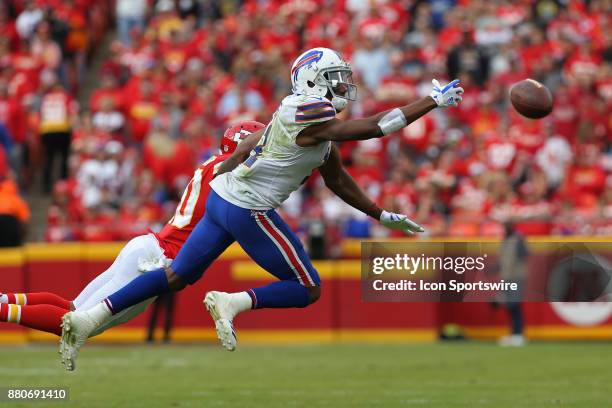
(339, 103)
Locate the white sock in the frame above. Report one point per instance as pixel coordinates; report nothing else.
(3, 298)
(99, 313)
(240, 302)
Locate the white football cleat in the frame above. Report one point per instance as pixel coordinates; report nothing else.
(219, 306)
(76, 328)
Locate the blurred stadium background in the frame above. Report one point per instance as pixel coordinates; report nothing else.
(107, 106)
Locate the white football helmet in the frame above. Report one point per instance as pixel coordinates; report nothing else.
(321, 70)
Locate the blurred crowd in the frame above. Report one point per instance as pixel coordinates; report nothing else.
(180, 72)
(45, 46)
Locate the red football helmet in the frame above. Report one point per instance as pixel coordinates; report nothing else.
(237, 133)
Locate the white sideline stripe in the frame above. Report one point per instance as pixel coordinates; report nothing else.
(280, 248)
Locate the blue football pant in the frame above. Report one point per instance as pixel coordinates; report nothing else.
(264, 236)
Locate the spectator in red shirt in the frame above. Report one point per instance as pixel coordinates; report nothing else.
(57, 113)
(565, 115)
(532, 212)
(141, 110)
(108, 89)
(585, 179)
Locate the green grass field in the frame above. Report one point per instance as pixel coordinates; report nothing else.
(343, 375)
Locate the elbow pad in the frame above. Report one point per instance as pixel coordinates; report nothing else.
(392, 121)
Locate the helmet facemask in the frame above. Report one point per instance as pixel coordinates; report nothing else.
(339, 82)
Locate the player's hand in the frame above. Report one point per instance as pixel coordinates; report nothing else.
(447, 95)
(400, 222)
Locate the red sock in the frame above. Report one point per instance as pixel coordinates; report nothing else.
(37, 298)
(47, 318)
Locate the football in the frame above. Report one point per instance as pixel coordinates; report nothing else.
(531, 99)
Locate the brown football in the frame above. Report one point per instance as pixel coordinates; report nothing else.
(531, 99)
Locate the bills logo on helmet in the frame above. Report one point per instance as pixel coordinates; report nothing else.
(308, 59)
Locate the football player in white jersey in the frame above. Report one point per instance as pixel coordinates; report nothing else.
(256, 179)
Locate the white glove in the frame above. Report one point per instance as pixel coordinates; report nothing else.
(399, 222)
(448, 95)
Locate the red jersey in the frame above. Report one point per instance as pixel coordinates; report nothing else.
(191, 208)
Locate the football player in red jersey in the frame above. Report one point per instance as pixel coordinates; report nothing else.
(44, 310)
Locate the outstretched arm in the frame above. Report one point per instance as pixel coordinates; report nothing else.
(344, 186)
(383, 123)
(241, 153)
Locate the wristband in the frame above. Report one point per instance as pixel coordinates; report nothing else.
(392, 121)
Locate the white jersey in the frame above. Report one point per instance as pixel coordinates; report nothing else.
(278, 166)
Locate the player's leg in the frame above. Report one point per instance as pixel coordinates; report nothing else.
(49, 319)
(271, 243)
(121, 272)
(277, 249)
(37, 310)
(36, 298)
(95, 284)
(42, 317)
(207, 241)
(47, 298)
(126, 268)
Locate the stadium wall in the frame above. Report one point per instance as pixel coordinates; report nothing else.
(340, 315)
